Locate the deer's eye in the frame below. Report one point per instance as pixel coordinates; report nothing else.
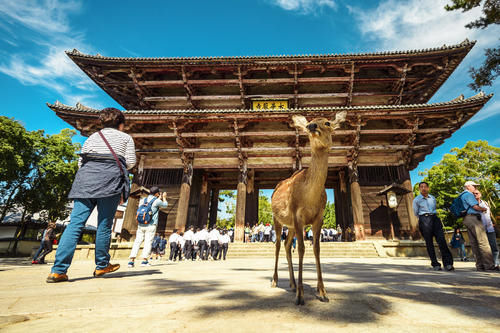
(327, 123)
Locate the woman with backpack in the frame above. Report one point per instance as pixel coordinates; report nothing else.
(101, 181)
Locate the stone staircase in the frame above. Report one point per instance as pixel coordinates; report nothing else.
(327, 250)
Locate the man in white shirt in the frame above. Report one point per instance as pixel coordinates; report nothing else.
(202, 237)
(173, 245)
(224, 244)
(213, 237)
(181, 246)
(146, 231)
(189, 238)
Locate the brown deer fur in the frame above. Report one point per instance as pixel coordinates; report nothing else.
(300, 200)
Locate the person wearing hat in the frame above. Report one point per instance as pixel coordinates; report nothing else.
(477, 235)
(146, 232)
(429, 224)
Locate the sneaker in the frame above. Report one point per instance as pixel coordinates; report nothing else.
(145, 263)
(130, 264)
(34, 262)
(56, 277)
(436, 268)
(449, 268)
(109, 269)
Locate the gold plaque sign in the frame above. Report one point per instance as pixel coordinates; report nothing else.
(269, 105)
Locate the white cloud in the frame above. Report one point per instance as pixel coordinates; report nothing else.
(304, 6)
(416, 24)
(491, 109)
(41, 32)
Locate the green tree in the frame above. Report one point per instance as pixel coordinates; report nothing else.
(265, 211)
(228, 198)
(329, 220)
(476, 161)
(36, 170)
(489, 71)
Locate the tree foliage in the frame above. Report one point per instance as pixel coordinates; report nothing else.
(489, 71)
(265, 211)
(329, 220)
(36, 170)
(476, 161)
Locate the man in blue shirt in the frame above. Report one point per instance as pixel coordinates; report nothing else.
(424, 207)
(146, 232)
(477, 235)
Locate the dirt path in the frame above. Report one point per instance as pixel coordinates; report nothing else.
(390, 295)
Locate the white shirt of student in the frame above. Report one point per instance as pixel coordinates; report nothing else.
(189, 235)
(181, 241)
(214, 235)
(225, 239)
(173, 238)
(202, 235)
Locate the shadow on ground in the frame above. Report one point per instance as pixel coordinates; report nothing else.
(370, 289)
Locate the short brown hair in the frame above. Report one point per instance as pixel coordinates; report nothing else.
(111, 117)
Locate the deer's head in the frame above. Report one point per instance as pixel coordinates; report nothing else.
(319, 129)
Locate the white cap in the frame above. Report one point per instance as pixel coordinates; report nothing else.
(470, 182)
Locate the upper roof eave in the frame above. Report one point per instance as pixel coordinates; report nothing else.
(80, 108)
(466, 45)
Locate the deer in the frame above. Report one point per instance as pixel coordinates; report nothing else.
(300, 200)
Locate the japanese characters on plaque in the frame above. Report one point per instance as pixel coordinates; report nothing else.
(270, 105)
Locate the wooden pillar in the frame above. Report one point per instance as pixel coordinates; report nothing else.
(241, 198)
(252, 200)
(183, 206)
(214, 206)
(408, 199)
(129, 226)
(204, 203)
(357, 203)
(239, 228)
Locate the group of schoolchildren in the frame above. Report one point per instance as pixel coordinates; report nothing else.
(200, 244)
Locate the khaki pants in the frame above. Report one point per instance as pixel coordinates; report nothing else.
(479, 243)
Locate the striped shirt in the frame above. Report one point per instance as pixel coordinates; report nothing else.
(122, 144)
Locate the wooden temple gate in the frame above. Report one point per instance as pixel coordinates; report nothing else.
(202, 125)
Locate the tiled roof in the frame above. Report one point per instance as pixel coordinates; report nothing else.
(80, 108)
(466, 44)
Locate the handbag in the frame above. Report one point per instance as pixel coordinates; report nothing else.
(126, 187)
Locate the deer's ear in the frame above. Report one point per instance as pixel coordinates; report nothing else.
(300, 122)
(339, 119)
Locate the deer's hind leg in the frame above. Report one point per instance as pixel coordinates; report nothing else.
(288, 249)
(278, 228)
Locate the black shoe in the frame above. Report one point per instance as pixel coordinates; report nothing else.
(449, 268)
(436, 268)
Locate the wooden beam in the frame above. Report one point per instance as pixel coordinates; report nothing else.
(270, 96)
(242, 88)
(351, 85)
(189, 91)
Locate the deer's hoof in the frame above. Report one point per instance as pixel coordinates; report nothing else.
(323, 299)
(299, 300)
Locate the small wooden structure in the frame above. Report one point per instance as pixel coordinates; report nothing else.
(211, 123)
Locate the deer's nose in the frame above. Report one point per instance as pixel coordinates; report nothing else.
(312, 127)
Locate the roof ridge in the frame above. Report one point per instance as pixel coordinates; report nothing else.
(464, 44)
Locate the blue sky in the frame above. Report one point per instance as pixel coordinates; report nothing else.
(34, 34)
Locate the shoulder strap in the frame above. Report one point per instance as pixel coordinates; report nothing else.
(150, 204)
(112, 152)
